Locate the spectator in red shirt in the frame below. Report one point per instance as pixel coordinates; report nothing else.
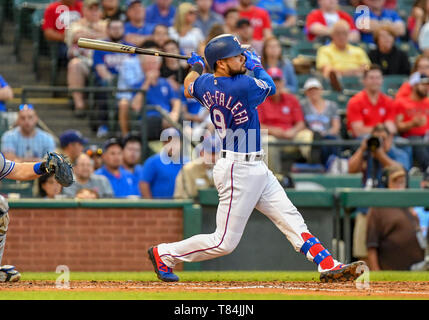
(421, 65)
(58, 16)
(282, 116)
(258, 17)
(412, 116)
(370, 106)
(320, 21)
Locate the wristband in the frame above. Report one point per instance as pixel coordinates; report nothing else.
(197, 67)
(39, 168)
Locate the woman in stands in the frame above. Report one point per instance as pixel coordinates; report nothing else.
(418, 17)
(183, 31)
(272, 58)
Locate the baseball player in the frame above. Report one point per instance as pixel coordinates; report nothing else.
(54, 164)
(240, 175)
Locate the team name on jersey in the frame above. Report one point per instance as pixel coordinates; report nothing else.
(221, 100)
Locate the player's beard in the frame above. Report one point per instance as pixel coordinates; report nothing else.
(234, 73)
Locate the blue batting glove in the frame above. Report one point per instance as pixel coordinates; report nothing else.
(252, 60)
(195, 58)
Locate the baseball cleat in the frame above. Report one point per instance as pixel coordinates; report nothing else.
(9, 274)
(343, 272)
(163, 272)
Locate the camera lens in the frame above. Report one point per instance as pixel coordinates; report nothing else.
(373, 143)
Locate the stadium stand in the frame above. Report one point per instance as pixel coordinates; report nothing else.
(39, 65)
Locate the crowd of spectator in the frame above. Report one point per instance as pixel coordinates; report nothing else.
(116, 169)
(364, 45)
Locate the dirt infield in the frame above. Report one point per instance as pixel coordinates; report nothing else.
(404, 289)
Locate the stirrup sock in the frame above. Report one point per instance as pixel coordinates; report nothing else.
(319, 254)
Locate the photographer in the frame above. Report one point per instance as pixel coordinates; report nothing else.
(375, 153)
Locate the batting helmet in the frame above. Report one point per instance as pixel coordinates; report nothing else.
(221, 47)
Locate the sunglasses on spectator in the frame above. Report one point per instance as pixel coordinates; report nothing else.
(26, 107)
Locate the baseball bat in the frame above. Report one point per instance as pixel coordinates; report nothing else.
(123, 48)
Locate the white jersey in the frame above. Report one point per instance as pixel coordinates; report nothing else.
(6, 166)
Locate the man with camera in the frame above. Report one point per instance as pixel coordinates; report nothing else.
(373, 155)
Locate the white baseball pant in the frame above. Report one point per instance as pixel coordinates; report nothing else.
(242, 186)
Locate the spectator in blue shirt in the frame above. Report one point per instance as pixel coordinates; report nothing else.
(26, 142)
(121, 180)
(6, 93)
(132, 151)
(161, 12)
(159, 172)
(136, 30)
(281, 13)
(106, 65)
(379, 16)
(371, 162)
(144, 73)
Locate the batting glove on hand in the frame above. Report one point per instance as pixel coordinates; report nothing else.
(252, 60)
(195, 58)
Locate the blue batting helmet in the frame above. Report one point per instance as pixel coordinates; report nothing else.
(221, 47)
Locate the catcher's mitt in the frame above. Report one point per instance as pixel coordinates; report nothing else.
(62, 170)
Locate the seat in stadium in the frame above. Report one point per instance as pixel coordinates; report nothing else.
(22, 16)
(305, 48)
(392, 83)
(288, 36)
(338, 97)
(351, 83)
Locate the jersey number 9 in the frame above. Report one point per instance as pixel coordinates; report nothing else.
(219, 122)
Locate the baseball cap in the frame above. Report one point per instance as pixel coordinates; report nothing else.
(275, 73)
(242, 22)
(70, 136)
(396, 172)
(89, 3)
(417, 78)
(211, 144)
(131, 2)
(312, 83)
(111, 142)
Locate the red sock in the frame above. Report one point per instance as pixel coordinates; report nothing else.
(326, 263)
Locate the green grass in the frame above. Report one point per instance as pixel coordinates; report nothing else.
(193, 277)
(222, 276)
